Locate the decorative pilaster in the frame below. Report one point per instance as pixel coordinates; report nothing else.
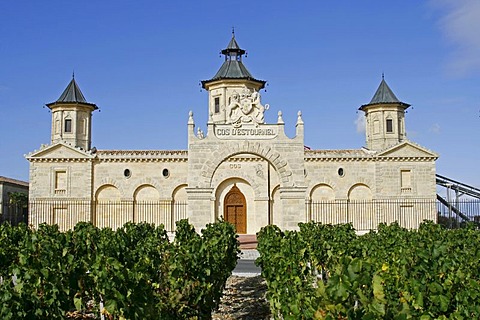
(293, 207)
(200, 207)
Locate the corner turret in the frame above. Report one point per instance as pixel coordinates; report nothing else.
(385, 119)
(71, 117)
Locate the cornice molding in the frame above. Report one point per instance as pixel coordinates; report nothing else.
(142, 156)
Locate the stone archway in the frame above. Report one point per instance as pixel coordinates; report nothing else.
(235, 209)
(278, 162)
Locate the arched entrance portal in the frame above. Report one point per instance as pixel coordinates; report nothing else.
(235, 209)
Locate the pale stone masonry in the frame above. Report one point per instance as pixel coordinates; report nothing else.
(242, 169)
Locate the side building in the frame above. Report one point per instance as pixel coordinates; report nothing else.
(242, 169)
(13, 209)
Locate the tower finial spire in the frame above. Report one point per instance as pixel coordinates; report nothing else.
(233, 31)
(73, 74)
(383, 76)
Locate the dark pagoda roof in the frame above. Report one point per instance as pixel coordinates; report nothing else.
(384, 95)
(72, 94)
(232, 70)
(233, 46)
(233, 67)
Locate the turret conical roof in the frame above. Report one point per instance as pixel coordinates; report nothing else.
(384, 95)
(233, 46)
(72, 94)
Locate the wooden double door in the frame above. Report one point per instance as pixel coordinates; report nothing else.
(235, 209)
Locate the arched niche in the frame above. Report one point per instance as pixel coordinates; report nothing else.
(322, 192)
(179, 194)
(359, 192)
(108, 193)
(146, 193)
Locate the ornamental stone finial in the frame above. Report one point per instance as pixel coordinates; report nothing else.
(280, 119)
(190, 117)
(210, 118)
(299, 118)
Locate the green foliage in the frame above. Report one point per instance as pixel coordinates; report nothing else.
(328, 272)
(18, 198)
(135, 272)
(197, 270)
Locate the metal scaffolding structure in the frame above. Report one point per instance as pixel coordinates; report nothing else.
(456, 209)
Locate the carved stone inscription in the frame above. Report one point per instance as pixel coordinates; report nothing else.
(255, 132)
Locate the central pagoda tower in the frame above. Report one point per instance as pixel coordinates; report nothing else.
(230, 82)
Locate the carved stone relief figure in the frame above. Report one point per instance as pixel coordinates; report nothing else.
(245, 108)
(233, 113)
(200, 134)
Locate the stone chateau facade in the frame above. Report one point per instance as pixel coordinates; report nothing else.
(242, 169)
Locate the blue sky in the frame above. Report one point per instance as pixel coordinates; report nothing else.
(141, 63)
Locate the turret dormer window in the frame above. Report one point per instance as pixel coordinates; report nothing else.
(217, 105)
(389, 125)
(68, 125)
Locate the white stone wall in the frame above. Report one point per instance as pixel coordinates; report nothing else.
(327, 173)
(210, 163)
(78, 179)
(280, 181)
(140, 174)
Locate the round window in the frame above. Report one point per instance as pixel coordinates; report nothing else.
(341, 173)
(165, 173)
(127, 173)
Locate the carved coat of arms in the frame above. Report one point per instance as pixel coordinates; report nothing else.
(245, 108)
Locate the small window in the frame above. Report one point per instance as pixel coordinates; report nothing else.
(389, 125)
(127, 173)
(341, 173)
(406, 181)
(217, 105)
(68, 125)
(60, 182)
(165, 173)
